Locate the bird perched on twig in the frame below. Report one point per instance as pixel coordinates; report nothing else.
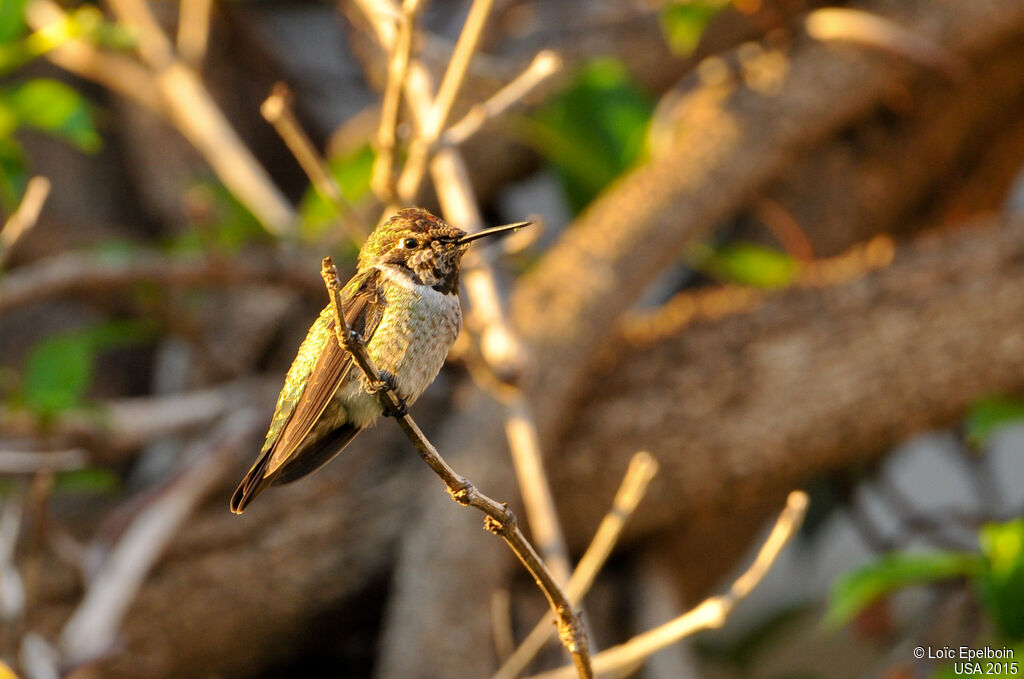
(404, 302)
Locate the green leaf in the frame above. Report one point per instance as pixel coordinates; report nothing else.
(54, 108)
(59, 369)
(684, 22)
(8, 120)
(115, 334)
(1001, 582)
(57, 373)
(748, 264)
(989, 415)
(352, 171)
(858, 589)
(87, 481)
(593, 131)
(13, 174)
(220, 222)
(84, 22)
(12, 20)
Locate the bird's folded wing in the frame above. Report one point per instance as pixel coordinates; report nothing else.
(363, 306)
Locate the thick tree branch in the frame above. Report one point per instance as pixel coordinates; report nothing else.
(840, 373)
(730, 142)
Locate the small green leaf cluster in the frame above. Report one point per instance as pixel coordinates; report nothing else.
(746, 264)
(592, 131)
(59, 369)
(996, 572)
(683, 23)
(41, 104)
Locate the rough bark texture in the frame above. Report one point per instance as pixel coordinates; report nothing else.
(923, 141)
(631, 233)
(811, 381)
(235, 594)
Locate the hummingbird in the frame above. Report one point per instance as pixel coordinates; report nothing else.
(404, 302)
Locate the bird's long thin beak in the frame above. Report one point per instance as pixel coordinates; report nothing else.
(469, 238)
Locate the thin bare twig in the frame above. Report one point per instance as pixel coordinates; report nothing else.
(92, 628)
(193, 111)
(194, 30)
(500, 520)
(431, 124)
(12, 588)
(89, 274)
(544, 65)
(537, 498)
(277, 110)
(175, 90)
(710, 613)
(503, 354)
(116, 72)
(500, 347)
(642, 468)
(24, 218)
(871, 30)
(118, 427)
(153, 45)
(30, 462)
(501, 623)
(382, 179)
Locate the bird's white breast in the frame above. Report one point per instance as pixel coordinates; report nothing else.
(418, 327)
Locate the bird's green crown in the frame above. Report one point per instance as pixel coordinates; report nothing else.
(419, 244)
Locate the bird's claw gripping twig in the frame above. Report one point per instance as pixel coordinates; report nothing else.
(387, 383)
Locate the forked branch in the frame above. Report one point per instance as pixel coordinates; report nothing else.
(711, 613)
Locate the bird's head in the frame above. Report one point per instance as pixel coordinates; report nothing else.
(423, 247)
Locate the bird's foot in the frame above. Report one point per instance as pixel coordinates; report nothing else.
(387, 383)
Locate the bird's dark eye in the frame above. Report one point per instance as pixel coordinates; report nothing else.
(410, 243)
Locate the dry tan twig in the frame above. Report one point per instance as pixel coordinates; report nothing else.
(30, 462)
(153, 45)
(12, 587)
(710, 613)
(642, 468)
(24, 218)
(382, 180)
(432, 123)
(871, 30)
(171, 87)
(501, 623)
(537, 498)
(118, 427)
(500, 519)
(544, 65)
(92, 628)
(91, 274)
(277, 110)
(194, 30)
(116, 72)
